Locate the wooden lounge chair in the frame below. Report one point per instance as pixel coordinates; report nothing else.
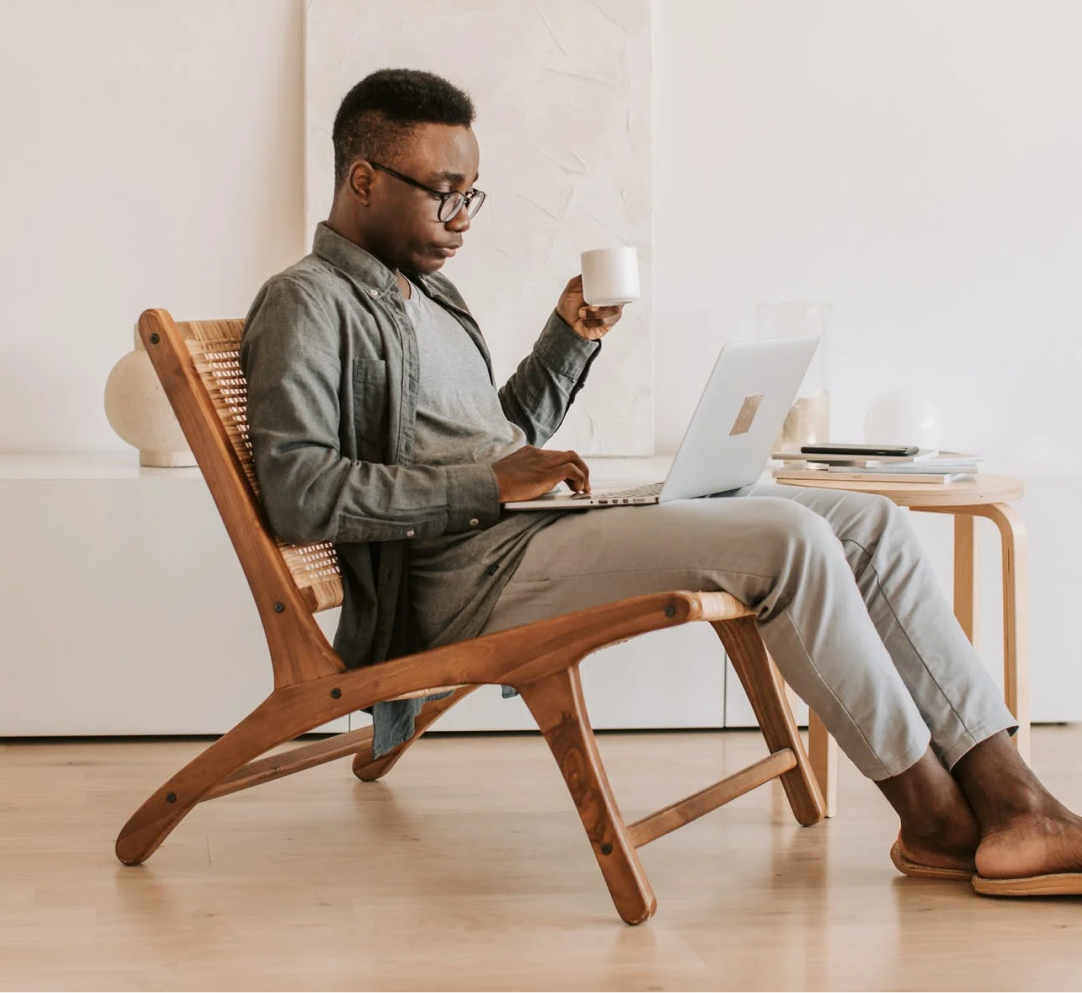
(198, 365)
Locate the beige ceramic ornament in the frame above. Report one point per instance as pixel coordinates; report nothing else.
(139, 411)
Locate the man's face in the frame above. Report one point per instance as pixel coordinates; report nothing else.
(401, 220)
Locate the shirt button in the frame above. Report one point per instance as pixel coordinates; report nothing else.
(373, 293)
(474, 522)
(409, 534)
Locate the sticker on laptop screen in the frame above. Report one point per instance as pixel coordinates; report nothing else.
(748, 409)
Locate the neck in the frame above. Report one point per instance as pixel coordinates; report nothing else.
(344, 223)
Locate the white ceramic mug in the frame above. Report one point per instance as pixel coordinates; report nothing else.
(610, 276)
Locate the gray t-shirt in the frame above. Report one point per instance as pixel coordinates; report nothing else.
(459, 417)
(455, 579)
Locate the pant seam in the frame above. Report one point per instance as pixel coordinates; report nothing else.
(841, 706)
(625, 572)
(902, 628)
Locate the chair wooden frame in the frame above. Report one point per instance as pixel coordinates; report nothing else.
(198, 367)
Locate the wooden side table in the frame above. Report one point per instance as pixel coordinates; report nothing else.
(983, 496)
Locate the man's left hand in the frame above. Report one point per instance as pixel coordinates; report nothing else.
(591, 323)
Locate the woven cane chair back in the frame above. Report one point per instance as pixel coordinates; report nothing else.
(215, 351)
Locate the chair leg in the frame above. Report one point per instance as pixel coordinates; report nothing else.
(558, 706)
(368, 769)
(763, 686)
(164, 809)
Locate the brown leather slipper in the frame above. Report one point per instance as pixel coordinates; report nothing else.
(921, 871)
(1053, 884)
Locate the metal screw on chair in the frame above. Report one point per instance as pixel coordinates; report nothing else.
(170, 798)
(670, 611)
(279, 608)
(606, 849)
(154, 339)
(336, 693)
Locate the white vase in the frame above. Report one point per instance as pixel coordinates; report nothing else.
(139, 411)
(903, 418)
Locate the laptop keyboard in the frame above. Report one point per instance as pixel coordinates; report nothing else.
(649, 489)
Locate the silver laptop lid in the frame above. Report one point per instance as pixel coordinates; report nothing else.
(739, 416)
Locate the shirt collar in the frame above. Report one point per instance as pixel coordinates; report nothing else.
(351, 259)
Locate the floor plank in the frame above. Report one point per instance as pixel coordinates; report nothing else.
(467, 869)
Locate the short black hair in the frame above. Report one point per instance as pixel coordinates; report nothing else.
(383, 108)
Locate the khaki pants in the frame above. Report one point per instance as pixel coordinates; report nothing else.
(846, 604)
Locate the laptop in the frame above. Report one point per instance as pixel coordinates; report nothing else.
(730, 437)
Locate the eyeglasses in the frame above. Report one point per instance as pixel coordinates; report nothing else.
(450, 203)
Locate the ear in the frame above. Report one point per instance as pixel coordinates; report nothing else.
(359, 181)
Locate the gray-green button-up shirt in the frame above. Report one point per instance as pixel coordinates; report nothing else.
(333, 372)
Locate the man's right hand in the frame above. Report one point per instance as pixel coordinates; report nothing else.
(530, 472)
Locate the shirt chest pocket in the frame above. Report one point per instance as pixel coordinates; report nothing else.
(370, 407)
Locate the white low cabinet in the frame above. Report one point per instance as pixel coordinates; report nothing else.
(124, 611)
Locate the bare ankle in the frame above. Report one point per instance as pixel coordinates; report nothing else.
(956, 834)
(932, 808)
(1000, 787)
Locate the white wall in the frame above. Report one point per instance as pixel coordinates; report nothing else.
(152, 156)
(913, 163)
(916, 164)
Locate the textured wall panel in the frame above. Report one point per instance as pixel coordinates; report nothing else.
(562, 89)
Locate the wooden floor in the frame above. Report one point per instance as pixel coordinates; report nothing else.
(468, 870)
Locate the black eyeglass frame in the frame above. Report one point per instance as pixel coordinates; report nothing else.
(467, 199)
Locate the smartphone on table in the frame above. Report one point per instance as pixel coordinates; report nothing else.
(860, 451)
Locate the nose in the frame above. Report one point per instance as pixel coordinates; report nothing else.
(460, 223)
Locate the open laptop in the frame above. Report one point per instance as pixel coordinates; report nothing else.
(729, 439)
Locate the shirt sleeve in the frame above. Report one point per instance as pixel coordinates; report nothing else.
(291, 356)
(546, 382)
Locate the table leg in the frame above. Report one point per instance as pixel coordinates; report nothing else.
(1012, 532)
(966, 573)
(823, 754)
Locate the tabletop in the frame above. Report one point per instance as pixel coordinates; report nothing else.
(980, 489)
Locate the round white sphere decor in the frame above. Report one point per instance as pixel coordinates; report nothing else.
(139, 411)
(903, 418)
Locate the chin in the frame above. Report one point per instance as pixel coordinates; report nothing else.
(428, 264)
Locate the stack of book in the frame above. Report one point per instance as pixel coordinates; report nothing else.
(927, 466)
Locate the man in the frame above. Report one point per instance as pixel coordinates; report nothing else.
(375, 424)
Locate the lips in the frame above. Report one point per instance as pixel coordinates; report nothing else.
(446, 251)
